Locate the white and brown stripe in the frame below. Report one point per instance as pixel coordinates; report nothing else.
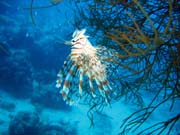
(83, 61)
(66, 86)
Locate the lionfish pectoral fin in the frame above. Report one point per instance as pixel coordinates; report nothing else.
(91, 85)
(107, 90)
(58, 85)
(106, 87)
(66, 85)
(59, 80)
(64, 95)
(61, 75)
(81, 74)
(66, 98)
(99, 86)
(102, 86)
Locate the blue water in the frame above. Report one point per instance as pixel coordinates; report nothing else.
(32, 51)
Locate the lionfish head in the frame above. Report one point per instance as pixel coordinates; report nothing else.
(79, 37)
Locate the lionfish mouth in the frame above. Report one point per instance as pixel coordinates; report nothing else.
(68, 42)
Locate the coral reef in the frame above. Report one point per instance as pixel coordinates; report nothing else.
(17, 67)
(25, 123)
(45, 95)
(8, 106)
(30, 123)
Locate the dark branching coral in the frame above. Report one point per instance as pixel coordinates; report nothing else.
(146, 36)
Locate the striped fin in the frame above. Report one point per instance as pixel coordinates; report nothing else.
(107, 90)
(68, 100)
(65, 68)
(99, 86)
(91, 84)
(106, 86)
(101, 90)
(59, 80)
(81, 73)
(66, 86)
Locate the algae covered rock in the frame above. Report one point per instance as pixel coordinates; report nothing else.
(25, 123)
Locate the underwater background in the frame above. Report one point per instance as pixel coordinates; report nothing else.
(139, 42)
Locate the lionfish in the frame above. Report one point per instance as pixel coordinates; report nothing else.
(83, 62)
